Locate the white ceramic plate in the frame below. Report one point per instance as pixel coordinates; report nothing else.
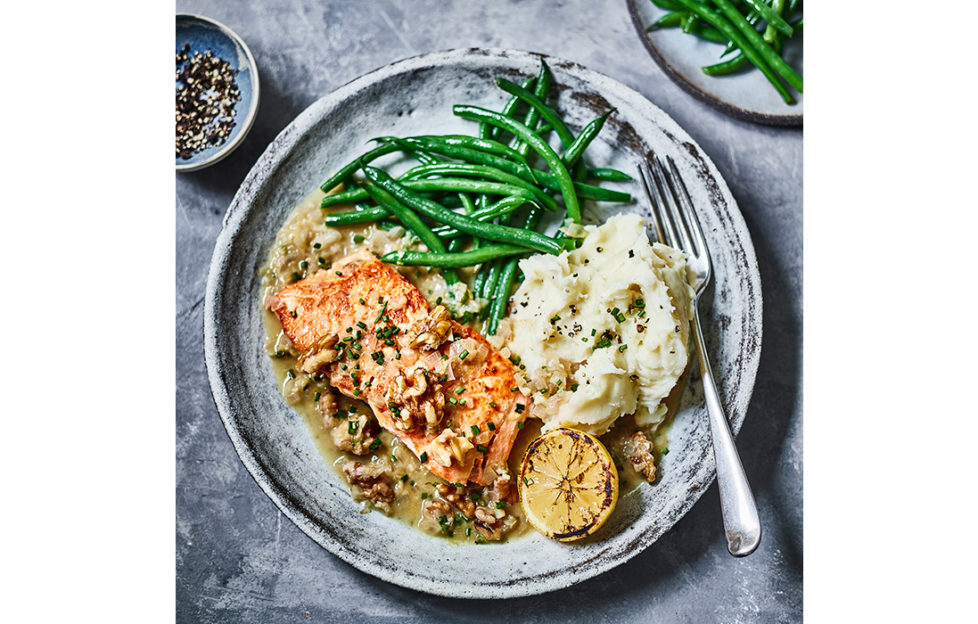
(746, 95)
(411, 97)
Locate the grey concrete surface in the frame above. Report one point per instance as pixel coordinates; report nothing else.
(239, 560)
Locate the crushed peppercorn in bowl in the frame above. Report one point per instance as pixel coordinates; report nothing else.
(217, 91)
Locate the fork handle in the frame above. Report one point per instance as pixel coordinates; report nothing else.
(740, 520)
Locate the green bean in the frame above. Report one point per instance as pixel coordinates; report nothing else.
(387, 225)
(501, 208)
(546, 113)
(755, 57)
(348, 169)
(770, 56)
(482, 171)
(668, 5)
(726, 67)
(467, 154)
(607, 173)
(464, 185)
(413, 222)
(354, 217)
(452, 260)
(584, 139)
(507, 110)
(425, 158)
(489, 286)
(485, 145)
(537, 144)
(507, 277)
(772, 16)
(480, 278)
(540, 89)
(488, 231)
(669, 20)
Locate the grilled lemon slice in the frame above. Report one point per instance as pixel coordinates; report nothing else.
(568, 484)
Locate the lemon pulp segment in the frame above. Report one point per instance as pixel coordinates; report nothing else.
(568, 484)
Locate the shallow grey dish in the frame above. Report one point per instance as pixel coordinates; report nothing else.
(745, 95)
(415, 96)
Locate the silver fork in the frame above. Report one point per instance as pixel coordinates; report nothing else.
(676, 225)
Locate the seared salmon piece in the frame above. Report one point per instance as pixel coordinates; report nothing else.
(440, 387)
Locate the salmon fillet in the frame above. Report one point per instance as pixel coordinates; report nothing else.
(439, 386)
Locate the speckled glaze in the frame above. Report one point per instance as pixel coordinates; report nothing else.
(203, 34)
(745, 95)
(416, 95)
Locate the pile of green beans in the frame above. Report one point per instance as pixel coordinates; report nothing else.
(478, 200)
(755, 29)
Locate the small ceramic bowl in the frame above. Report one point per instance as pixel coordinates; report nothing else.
(203, 34)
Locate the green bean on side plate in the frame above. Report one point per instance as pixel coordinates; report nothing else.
(755, 29)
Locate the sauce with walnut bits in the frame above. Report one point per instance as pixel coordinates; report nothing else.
(305, 245)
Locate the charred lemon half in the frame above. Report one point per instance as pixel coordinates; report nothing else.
(568, 484)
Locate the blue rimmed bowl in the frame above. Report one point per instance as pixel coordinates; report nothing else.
(203, 34)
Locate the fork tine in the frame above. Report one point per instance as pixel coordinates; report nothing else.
(690, 219)
(673, 204)
(667, 204)
(645, 174)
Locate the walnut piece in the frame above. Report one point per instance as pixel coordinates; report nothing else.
(639, 450)
(356, 434)
(457, 496)
(430, 332)
(414, 401)
(448, 447)
(374, 480)
(319, 355)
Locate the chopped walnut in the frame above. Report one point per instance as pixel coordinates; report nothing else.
(639, 451)
(326, 408)
(319, 355)
(490, 522)
(415, 404)
(433, 509)
(501, 489)
(356, 434)
(450, 446)
(430, 332)
(457, 497)
(374, 481)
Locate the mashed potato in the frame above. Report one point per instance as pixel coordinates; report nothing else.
(603, 330)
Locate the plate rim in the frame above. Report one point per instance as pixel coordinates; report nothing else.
(782, 121)
(278, 151)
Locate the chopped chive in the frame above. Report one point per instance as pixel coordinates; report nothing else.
(361, 325)
(594, 331)
(492, 425)
(453, 400)
(304, 265)
(476, 430)
(464, 354)
(405, 478)
(317, 245)
(317, 396)
(640, 303)
(295, 276)
(351, 427)
(394, 459)
(514, 389)
(500, 505)
(555, 318)
(358, 239)
(622, 348)
(574, 387)
(424, 495)
(356, 392)
(515, 359)
(374, 445)
(290, 374)
(341, 414)
(424, 457)
(519, 408)
(460, 390)
(481, 448)
(381, 314)
(340, 273)
(468, 531)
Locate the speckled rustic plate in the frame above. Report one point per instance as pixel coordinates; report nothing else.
(411, 97)
(745, 95)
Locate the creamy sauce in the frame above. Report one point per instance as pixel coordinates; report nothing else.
(305, 245)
